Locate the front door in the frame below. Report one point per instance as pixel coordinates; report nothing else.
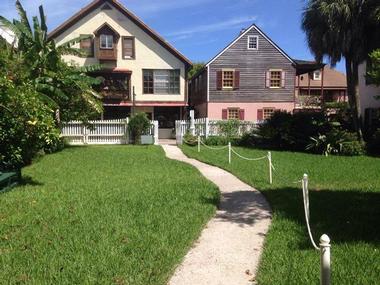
(166, 117)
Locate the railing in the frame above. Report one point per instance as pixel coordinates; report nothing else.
(102, 132)
(205, 127)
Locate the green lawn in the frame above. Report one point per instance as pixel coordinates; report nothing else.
(102, 215)
(345, 204)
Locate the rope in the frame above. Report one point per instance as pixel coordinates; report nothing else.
(246, 158)
(304, 192)
(214, 148)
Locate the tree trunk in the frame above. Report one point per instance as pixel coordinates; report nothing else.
(353, 94)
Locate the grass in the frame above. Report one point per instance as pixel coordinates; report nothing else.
(345, 204)
(102, 215)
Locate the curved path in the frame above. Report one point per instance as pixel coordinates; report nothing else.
(229, 248)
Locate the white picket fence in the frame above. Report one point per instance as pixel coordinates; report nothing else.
(205, 127)
(102, 132)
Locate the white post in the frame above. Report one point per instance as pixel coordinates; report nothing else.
(324, 244)
(270, 167)
(155, 123)
(199, 143)
(192, 123)
(126, 132)
(207, 127)
(229, 153)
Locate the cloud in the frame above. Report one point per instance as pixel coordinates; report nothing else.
(231, 23)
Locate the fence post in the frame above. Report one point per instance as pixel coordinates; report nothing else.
(270, 167)
(207, 127)
(126, 131)
(155, 124)
(192, 123)
(324, 247)
(199, 143)
(229, 153)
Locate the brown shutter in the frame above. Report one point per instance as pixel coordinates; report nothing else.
(224, 114)
(283, 79)
(241, 114)
(237, 79)
(219, 80)
(267, 79)
(260, 114)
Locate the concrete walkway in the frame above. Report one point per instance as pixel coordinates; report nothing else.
(229, 248)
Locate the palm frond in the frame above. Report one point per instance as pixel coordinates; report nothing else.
(24, 18)
(76, 40)
(65, 50)
(44, 27)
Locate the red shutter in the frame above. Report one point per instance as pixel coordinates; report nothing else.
(267, 79)
(260, 114)
(241, 114)
(219, 80)
(237, 79)
(224, 114)
(283, 79)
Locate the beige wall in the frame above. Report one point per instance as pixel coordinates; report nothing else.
(149, 53)
(367, 92)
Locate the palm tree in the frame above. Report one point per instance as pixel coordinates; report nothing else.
(346, 29)
(43, 60)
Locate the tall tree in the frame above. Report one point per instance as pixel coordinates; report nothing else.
(61, 85)
(346, 29)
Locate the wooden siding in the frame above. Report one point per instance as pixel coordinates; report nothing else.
(198, 89)
(253, 65)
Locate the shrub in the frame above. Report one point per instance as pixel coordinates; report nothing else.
(138, 125)
(290, 131)
(189, 139)
(336, 141)
(229, 129)
(26, 125)
(221, 141)
(374, 143)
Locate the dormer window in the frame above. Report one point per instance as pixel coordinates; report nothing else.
(253, 42)
(106, 41)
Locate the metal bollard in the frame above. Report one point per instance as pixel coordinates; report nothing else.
(324, 247)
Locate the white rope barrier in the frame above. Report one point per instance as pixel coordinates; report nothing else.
(214, 148)
(246, 158)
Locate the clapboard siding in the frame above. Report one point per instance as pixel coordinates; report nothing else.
(198, 88)
(253, 65)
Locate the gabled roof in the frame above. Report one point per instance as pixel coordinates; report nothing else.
(114, 3)
(253, 26)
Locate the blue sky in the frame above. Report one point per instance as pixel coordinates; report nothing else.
(197, 28)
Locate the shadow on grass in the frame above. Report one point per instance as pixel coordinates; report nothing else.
(346, 216)
(29, 181)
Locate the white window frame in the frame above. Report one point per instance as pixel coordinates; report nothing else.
(233, 79)
(249, 41)
(319, 77)
(107, 38)
(237, 110)
(270, 78)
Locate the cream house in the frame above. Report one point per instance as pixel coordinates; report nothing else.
(141, 71)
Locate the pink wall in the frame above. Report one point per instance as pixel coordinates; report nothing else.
(215, 109)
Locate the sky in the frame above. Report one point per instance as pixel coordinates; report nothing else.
(197, 28)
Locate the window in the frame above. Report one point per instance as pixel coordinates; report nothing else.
(267, 113)
(148, 82)
(233, 114)
(128, 47)
(275, 78)
(87, 46)
(253, 42)
(161, 81)
(106, 41)
(228, 79)
(317, 75)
